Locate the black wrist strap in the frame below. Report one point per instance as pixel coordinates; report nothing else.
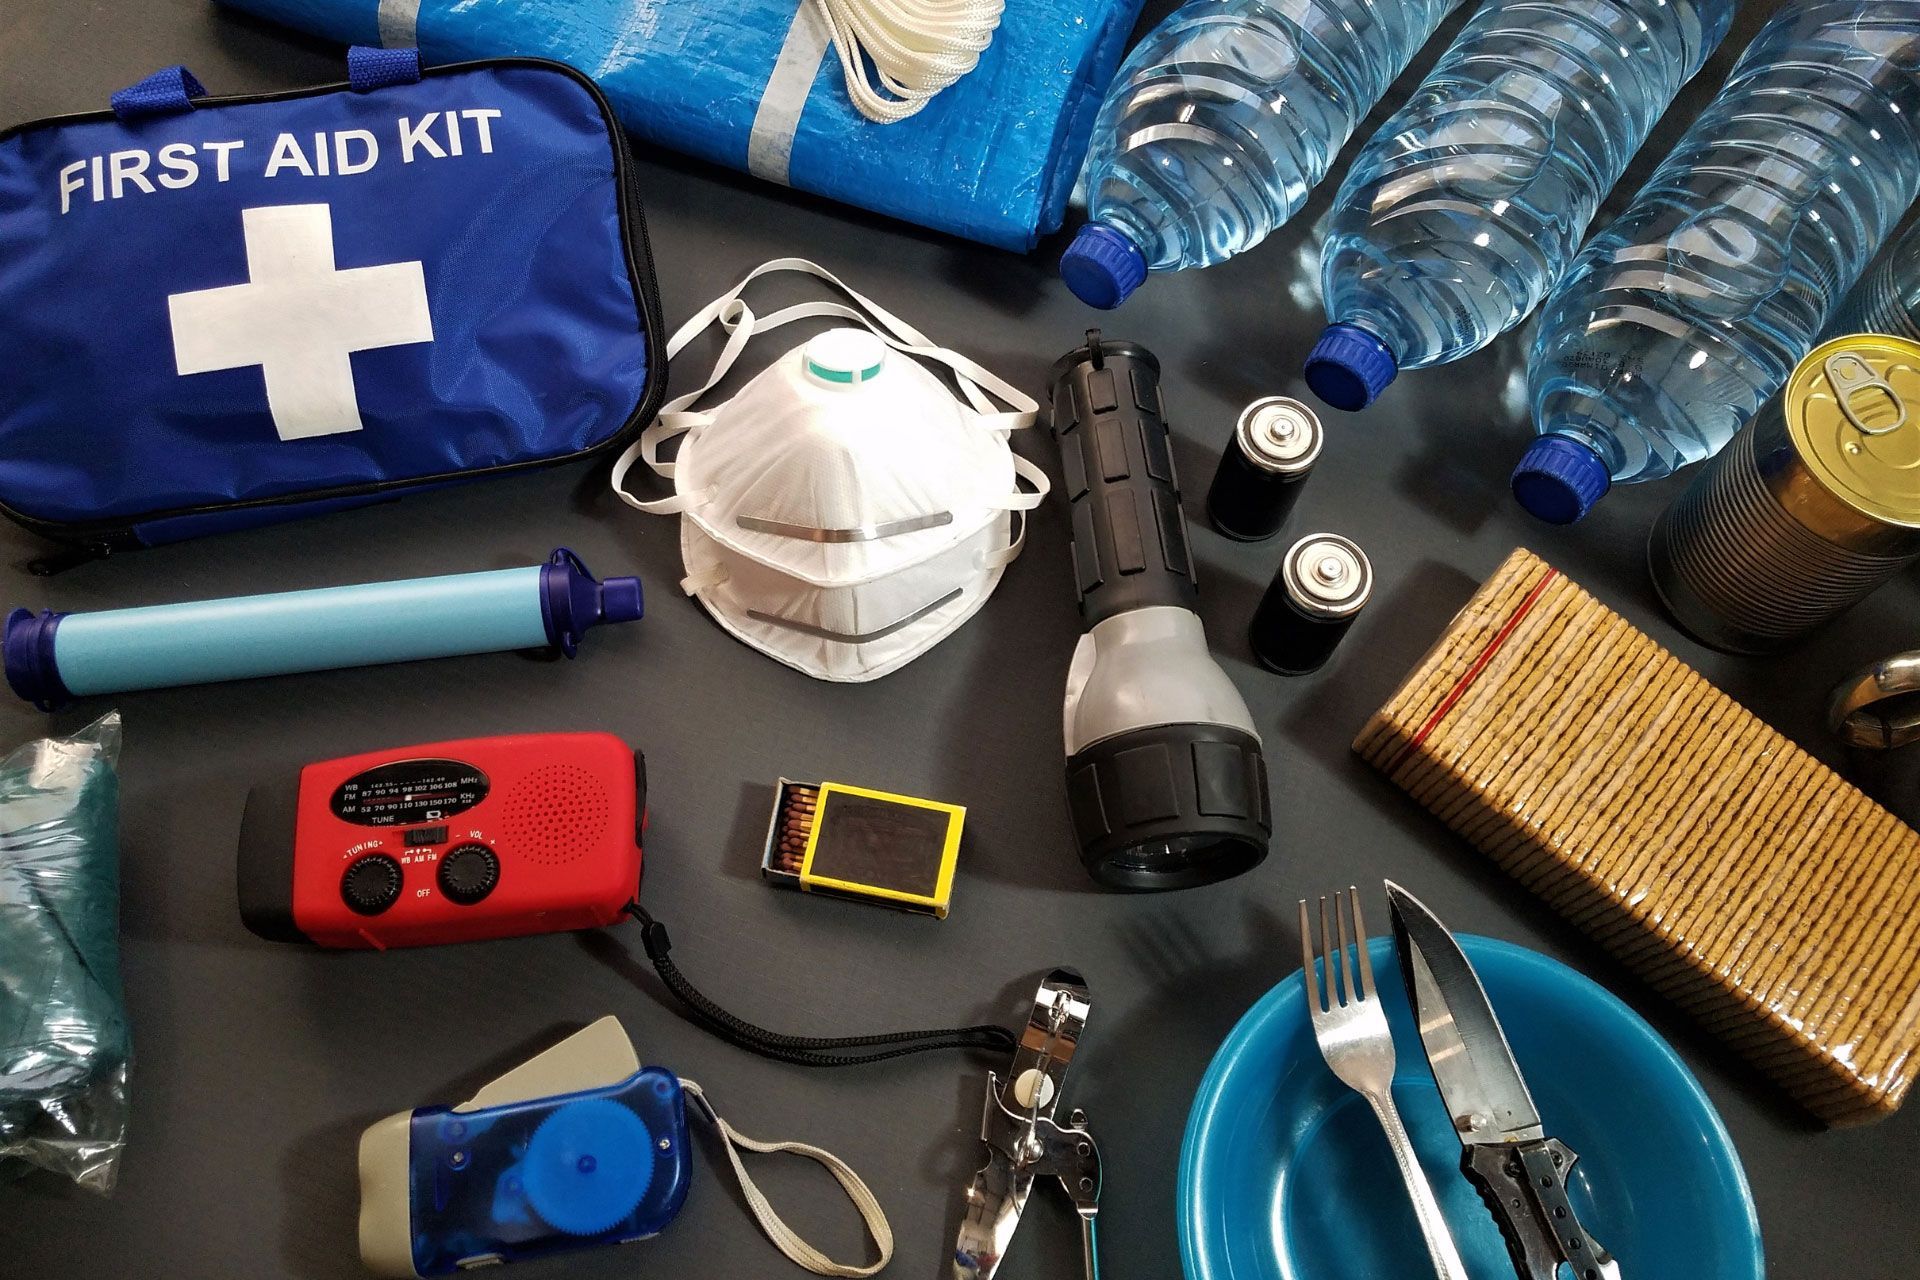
(806, 1051)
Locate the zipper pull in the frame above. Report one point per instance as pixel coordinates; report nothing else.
(68, 558)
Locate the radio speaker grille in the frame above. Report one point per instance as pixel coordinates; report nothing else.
(555, 814)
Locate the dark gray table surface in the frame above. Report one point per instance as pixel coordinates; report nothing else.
(258, 1065)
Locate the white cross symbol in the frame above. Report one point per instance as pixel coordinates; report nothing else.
(299, 319)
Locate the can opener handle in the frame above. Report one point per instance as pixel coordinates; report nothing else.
(1025, 1142)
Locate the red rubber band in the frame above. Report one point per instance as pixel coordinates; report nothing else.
(1473, 673)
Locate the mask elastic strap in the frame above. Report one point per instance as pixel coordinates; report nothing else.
(1023, 500)
(976, 382)
(1008, 554)
(647, 449)
(733, 315)
(707, 579)
(785, 1238)
(737, 318)
(896, 332)
(1019, 503)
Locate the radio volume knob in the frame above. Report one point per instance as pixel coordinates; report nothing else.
(371, 884)
(468, 873)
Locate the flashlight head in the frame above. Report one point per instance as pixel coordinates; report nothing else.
(1166, 781)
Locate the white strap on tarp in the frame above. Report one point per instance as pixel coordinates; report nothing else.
(785, 1238)
(770, 141)
(399, 23)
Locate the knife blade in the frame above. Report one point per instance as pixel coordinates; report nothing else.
(1519, 1171)
(1472, 1064)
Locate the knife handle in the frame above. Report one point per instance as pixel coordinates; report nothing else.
(1525, 1186)
(1547, 1164)
(1497, 1173)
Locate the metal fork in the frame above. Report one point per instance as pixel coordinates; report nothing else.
(1357, 1043)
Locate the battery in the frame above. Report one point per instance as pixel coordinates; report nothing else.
(1263, 468)
(1323, 583)
(1810, 507)
(855, 842)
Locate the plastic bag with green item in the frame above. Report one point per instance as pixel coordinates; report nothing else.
(64, 1048)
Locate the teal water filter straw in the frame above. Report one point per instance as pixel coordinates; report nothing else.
(53, 657)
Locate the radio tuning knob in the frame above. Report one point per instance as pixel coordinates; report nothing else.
(371, 884)
(468, 873)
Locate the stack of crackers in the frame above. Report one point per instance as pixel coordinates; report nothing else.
(1727, 867)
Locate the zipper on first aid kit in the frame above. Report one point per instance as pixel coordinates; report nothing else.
(654, 313)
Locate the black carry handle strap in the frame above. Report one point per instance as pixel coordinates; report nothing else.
(806, 1051)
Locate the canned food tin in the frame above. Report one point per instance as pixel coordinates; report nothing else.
(1263, 468)
(1810, 507)
(1323, 584)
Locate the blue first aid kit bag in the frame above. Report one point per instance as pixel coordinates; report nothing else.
(218, 312)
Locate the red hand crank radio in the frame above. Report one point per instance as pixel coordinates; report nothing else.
(446, 842)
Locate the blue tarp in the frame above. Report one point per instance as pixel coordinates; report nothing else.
(992, 159)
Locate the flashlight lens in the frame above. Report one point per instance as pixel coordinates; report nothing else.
(1170, 806)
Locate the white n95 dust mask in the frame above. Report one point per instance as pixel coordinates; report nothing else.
(845, 512)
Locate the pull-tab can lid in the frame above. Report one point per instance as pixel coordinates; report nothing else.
(845, 357)
(1853, 412)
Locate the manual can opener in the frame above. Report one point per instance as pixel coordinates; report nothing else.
(1024, 1141)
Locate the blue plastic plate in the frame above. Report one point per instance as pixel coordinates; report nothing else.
(1285, 1175)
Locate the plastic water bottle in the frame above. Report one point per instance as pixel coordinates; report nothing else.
(1681, 320)
(1468, 204)
(1887, 299)
(1221, 121)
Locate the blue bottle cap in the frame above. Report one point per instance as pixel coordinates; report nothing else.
(1102, 267)
(1559, 479)
(1349, 367)
(571, 601)
(30, 665)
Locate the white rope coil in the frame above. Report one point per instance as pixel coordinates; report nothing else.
(917, 48)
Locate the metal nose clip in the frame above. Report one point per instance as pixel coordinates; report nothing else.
(858, 533)
(1024, 1142)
